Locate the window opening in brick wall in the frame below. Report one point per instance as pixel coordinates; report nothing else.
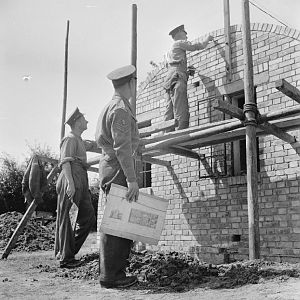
(239, 159)
(146, 175)
(213, 162)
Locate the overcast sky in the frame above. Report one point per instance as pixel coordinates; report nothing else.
(32, 43)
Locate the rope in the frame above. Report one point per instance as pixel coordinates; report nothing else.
(269, 14)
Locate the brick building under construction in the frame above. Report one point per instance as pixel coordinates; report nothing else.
(202, 170)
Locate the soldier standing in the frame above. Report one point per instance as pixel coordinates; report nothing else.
(117, 135)
(175, 82)
(73, 189)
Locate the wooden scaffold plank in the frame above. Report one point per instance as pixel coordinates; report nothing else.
(147, 131)
(288, 89)
(229, 109)
(145, 158)
(288, 123)
(238, 113)
(273, 129)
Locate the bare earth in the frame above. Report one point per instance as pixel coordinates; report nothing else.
(20, 278)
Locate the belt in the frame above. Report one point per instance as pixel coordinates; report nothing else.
(175, 63)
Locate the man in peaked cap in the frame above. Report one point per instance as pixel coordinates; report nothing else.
(73, 189)
(76, 114)
(117, 135)
(175, 82)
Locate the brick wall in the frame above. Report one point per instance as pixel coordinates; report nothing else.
(207, 214)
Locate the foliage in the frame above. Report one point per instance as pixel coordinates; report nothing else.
(11, 175)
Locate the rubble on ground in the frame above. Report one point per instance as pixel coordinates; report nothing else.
(180, 272)
(34, 237)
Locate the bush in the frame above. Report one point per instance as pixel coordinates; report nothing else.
(11, 175)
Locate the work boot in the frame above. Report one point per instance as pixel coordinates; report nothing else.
(183, 125)
(173, 128)
(70, 264)
(119, 283)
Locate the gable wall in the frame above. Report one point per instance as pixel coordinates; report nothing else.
(204, 213)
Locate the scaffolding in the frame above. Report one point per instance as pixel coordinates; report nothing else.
(246, 122)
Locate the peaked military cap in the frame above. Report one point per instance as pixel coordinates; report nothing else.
(177, 29)
(121, 75)
(76, 114)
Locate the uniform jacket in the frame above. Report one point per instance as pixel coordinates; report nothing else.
(177, 54)
(176, 62)
(34, 181)
(117, 134)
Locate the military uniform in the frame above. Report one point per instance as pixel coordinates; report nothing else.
(176, 79)
(67, 240)
(117, 135)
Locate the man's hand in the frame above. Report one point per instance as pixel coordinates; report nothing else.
(70, 190)
(133, 191)
(191, 70)
(90, 145)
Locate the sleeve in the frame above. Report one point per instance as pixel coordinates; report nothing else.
(121, 134)
(68, 148)
(188, 46)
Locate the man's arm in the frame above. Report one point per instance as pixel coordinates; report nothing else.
(67, 154)
(188, 46)
(66, 167)
(121, 134)
(91, 146)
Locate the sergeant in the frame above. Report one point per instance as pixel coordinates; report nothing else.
(117, 135)
(73, 189)
(176, 79)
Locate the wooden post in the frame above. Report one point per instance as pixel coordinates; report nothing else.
(63, 119)
(250, 110)
(134, 52)
(227, 40)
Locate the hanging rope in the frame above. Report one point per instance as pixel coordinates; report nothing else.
(269, 14)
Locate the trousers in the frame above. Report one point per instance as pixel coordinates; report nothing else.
(176, 98)
(114, 251)
(67, 241)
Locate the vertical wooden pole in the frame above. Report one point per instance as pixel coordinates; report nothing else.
(62, 132)
(227, 40)
(250, 110)
(134, 51)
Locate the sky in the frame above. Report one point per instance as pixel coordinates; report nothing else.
(32, 46)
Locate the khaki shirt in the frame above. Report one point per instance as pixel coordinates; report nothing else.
(117, 134)
(72, 146)
(177, 54)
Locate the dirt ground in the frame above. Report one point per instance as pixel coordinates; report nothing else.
(21, 278)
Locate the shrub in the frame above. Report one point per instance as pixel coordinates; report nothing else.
(11, 175)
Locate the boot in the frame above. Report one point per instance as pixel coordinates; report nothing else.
(119, 283)
(183, 125)
(113, 258)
